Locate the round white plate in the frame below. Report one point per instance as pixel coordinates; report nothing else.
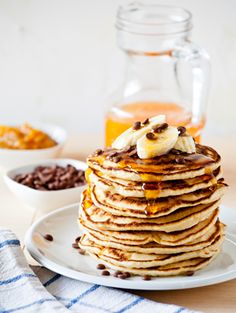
(60, 257)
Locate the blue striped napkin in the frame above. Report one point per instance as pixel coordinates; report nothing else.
(36, 289)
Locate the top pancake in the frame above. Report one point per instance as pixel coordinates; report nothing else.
(125, 164)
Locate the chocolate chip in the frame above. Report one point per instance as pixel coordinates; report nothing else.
(117, 273)
(77, 239)
(116, 159)
(150, 136)
(182, 130)
(137, 126)
(160, 128)
(175, 151)
(105, 273)
(54, 177)
(126, 149)
(146, 121)
(122, 276)
(75, 245)
(147, 277)
(189, 273)
(98, 152)
(132, 152)
(179, 160)
(48, 237)
(81, 251)
(101, 266)
(112, 154)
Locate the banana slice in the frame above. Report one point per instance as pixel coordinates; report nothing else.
(155, 144)
(130, 136)
(185, 144)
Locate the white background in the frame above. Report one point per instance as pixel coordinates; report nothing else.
(59, 60)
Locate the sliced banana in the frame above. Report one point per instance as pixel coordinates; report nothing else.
(161, 143)
(130, 136)
(185, 144)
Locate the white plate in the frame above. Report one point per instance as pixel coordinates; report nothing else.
(60, 257)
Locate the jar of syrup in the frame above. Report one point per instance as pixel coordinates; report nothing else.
(165, 72)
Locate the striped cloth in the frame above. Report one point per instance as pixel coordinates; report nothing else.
(36, 289)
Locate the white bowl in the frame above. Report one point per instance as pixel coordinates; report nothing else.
(49, 200)
(10, 158)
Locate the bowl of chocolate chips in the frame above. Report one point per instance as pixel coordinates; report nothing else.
(48, 185)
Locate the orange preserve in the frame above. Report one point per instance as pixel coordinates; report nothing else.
(119, 119)
(24, 137)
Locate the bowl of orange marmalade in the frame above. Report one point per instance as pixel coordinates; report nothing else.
(23, 144)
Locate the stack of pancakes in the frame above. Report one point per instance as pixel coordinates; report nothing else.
(156, 217)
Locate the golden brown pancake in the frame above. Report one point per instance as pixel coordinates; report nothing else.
(156, 248)
(183, 237)
(180, 219)
(156, 216)
(165, 167)
(142, 207)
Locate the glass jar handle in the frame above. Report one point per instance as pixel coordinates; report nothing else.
(194, 84)
(200, 73)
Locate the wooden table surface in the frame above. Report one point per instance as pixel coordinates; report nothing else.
(219, 298)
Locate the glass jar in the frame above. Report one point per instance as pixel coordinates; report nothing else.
(165, 72)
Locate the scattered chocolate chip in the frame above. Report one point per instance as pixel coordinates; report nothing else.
(126, 149)
(112, 154)
(116, 159)
(127, 274)
(55, 177)
(101, 266)
(175, 151)
(117, 273)
(81, 251)
(48, 237)
(77, 239)
(182, 130)
(137, 126)
(105, 273)
(189, 273)
(122, 276)
(160, 128)
(98, 152)
(132, 152)
(147, 277)
(146, 121)
(179, 160)
(150, 136)
(75, 245)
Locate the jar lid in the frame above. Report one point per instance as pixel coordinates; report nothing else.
(153, 19)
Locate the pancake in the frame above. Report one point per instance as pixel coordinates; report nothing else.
(152, 191)
(141, 207)
(174, 269)
(141, 238)
(180, 219)
(156, 216)
(165, 167)
(141, 260)
(155, 248)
